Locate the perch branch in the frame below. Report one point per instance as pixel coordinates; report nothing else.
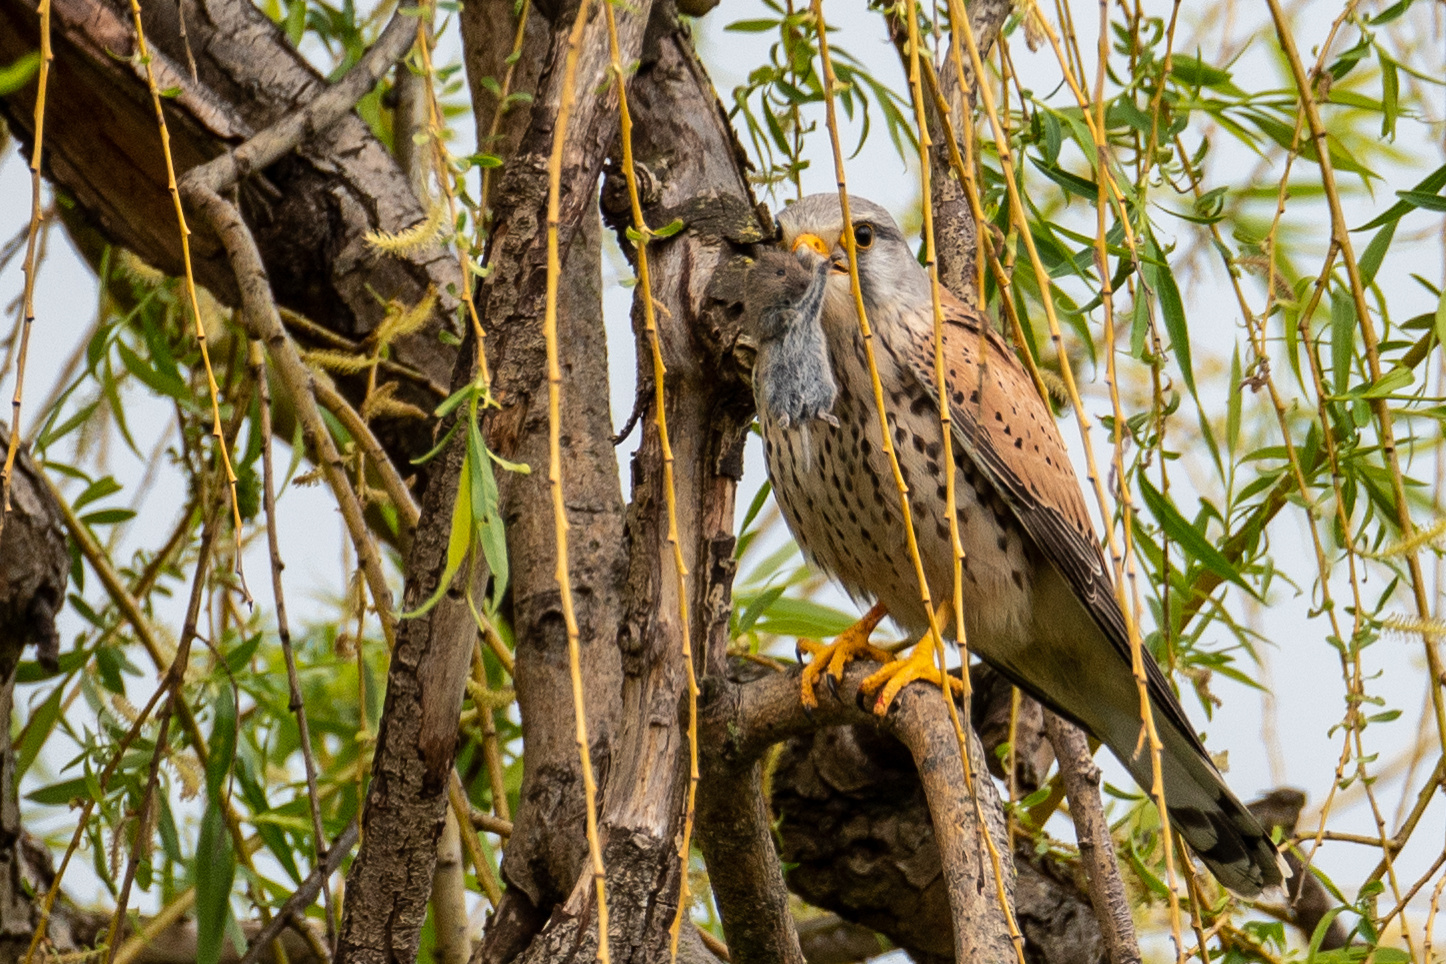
(738, 725)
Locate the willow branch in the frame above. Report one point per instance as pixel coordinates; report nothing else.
(304, 895)
(396, 488)
(271, 144)
(262, 321)
(1096, 848)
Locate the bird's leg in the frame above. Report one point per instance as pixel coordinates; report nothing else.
(919, 664)
(832, 658)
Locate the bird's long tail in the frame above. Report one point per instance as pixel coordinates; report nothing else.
(1215, 824)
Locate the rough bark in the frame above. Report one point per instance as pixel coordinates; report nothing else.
(34, 566)
(546, 849)
(309, 212)
(17, 912)
(743, 721)
(682, 139)
(390, 880)
(417, 739)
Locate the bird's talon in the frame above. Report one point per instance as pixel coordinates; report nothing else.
(809, 646)
(889, 681)
(829, 661)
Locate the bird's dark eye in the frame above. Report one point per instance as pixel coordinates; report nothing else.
(864, 235)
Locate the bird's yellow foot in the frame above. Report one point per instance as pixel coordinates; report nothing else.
(832, 658)
(894, 676)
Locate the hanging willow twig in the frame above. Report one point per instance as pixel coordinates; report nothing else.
(670, 488)
(554, 473)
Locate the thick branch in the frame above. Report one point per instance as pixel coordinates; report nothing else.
(417, 741)
(309, 211)
(317, 117)
(546, 847)
(34, 566)
(683, 141)
(743, 721)
(854, 824)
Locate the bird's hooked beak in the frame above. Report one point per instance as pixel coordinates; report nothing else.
(820, 247)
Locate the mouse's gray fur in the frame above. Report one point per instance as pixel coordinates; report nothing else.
(792, 379)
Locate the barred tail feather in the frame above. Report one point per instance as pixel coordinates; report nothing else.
(1216, 825)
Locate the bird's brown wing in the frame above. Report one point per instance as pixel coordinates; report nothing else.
(1010, 435)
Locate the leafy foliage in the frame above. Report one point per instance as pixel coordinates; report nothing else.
(1278, 442)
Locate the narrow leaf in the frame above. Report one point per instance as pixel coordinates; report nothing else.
(1195, 544)
(1172, 309)
(213, 871)
(458, 542)
(223, 742)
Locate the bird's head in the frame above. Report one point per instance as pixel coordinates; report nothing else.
(813, 229)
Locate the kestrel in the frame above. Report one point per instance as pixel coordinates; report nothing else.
(1039, 602)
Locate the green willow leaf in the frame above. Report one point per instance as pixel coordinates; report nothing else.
(1430, 184)
(489, 531)
(16, 75)
(1343, 341)
(459, 541)
(213, 871)
(1195, 544)
(1375, 252)
(1423, 200)
(1172, 309)
(223, 742)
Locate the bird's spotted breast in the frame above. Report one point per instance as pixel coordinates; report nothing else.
(836, 489)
